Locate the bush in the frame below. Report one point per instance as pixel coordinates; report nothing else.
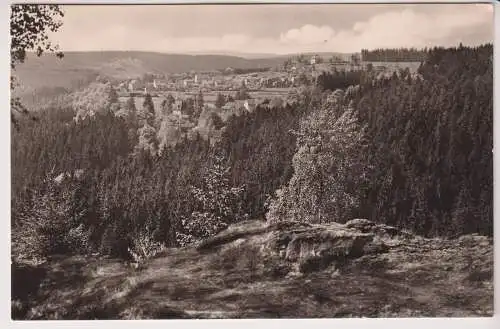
(217, 205)
(46, 225)
(144, 247)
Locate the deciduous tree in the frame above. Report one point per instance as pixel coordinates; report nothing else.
(29, 29)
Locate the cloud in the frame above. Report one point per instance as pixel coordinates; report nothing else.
(407, 27)
(307, 34)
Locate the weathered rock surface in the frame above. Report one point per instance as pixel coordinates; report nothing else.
(314, 248)
(286, 269)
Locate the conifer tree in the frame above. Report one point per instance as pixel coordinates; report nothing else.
(220, 101)
(147, 113)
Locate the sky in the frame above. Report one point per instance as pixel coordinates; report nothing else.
(272, 29)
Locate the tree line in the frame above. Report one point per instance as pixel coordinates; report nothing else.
(394, 55)
(414, 151)
(430, 143)
(187, 191)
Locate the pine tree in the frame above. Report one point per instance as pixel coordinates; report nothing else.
(113, 96)
(147, 139)
(198, 106)
(242, 93)
(147, 114)
(129, 111)
(220, 101)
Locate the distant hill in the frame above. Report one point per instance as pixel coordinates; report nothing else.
(45, 77)
(325, 55)
(279, 56)
(75, 67)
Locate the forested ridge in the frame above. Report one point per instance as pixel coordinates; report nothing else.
(413, 151)
(395, 55)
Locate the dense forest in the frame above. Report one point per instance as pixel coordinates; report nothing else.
(125, 189)
(394, 55)
(414, 151)
(430, 144)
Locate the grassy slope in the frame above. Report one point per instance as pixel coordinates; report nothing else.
(234, 276)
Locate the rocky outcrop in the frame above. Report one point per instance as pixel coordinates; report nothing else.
(306, 247)
(286, 269)
(314, 247)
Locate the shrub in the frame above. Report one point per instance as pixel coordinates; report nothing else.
(217, 204)
(144, 247)
(46, 225)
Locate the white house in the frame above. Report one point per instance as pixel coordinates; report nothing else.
(249, 105)
(131, 85)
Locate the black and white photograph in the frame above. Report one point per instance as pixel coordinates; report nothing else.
(251, 160)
